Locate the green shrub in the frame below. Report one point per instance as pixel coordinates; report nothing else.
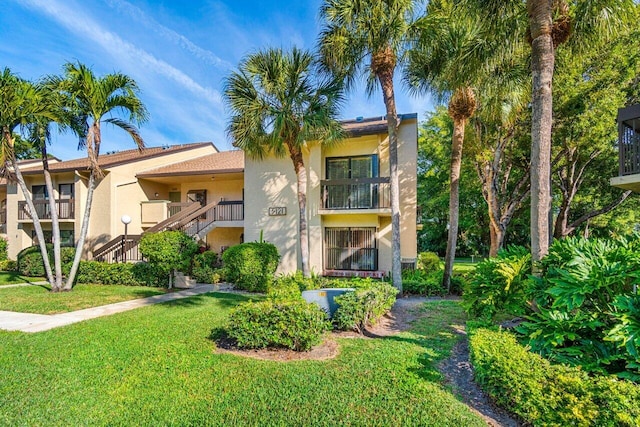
(29, 260)
(296, 325)
(549, 395)
(102, 273)
(8, 265)
(428, 262)
(499, 284)
(291, 286)
(419, 282)
(206, 268)
(251, 266)
(168, 251)
(587, 312)
(3, 249)
(363, 307)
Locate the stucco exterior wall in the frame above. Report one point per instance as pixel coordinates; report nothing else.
(272, 183)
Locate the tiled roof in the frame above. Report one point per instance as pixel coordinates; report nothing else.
(118, 158)
(371, 125)
(222, 162)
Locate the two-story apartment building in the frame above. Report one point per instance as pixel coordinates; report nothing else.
(222, 199)
(628, 149)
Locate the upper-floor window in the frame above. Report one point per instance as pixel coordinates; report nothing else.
(65, 191)
(39, 192)
(352, 167)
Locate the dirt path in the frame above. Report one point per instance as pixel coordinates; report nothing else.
(457, 369)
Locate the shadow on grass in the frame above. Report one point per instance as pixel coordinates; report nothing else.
(225, 300)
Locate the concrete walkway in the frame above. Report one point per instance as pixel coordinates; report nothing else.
(27, 322)
(18, 285)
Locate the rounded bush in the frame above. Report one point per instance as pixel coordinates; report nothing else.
(363, 307)
(251, 266)
(29, 260)
(296, 325)
(428, 262)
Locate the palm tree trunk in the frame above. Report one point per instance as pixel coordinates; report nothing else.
(301, 175)
(385, 77)
(91, 185)
(55, 223)
(36, 223)
(542, 63)
(454, 200)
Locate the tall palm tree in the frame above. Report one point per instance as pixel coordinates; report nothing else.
(370, 38)
(277, 105)
(446, 61)
(21, 105)
(550, 24)
(92, 101)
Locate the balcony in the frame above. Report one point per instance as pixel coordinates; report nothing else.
(353, 259)
(359, 193)
(3, 221)
(629, 140)
(65, 209)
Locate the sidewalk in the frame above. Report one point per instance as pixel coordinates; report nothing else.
(28, 322)
(18, 285)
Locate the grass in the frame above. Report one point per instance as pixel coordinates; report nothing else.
(12, 277)
(157, 366)
(39, 299)
(464, 267)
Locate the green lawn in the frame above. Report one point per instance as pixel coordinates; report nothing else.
(157, 366)
(464, 267)
(39, 299)
(11, 277)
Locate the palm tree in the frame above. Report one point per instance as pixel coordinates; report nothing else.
(278, 105)
(89, 99)
(21, 105)
(370, 38)
(446, 62)
(550, 24)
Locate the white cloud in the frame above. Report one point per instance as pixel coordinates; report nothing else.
(169, 34)
(81, 24)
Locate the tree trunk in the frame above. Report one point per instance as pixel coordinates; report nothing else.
(55, 223)
(385, 77)
(34, 215)
(301, 175)
(83, 233)
(454, 200)
(36, 224)
(542, 63)
(93, 151)
(497, 239)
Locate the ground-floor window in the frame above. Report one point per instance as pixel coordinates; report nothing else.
(350, 248)
(66, 237)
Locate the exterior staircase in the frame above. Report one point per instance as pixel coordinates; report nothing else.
(194, 220)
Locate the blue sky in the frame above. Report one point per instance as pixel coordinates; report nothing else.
(178, 51)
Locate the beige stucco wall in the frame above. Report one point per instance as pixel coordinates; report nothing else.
(272, 183)
(117, 194)
(224, 236)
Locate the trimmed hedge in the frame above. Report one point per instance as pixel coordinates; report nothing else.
(8, 265)
(102, 273)
(251, 266)
(296, 325)
(549, 395)
(29, 260)
(428, 262)
(363, 307)
(3, 249)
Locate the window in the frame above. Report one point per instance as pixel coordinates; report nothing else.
(39, 192)
(350, 183)
(65, 191)
(351, 249)
(66, 237)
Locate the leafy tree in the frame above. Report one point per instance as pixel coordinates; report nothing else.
(168, 251)
(369, 38)
(278, 104)
(434, 154)
(590, 87)
(551, 24)
(92, 101)
(22, 104)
